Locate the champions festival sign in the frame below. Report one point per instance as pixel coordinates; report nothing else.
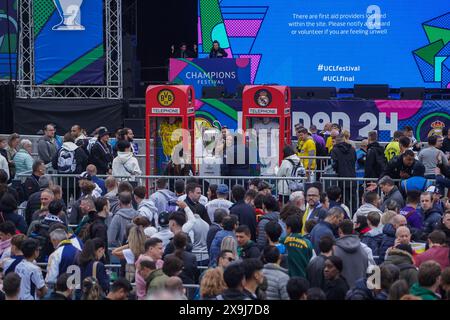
(68, 42)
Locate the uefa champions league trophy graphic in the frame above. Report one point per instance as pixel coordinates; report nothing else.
(70, 12)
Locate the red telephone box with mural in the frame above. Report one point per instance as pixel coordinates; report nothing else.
(169, 118)
(267, 110)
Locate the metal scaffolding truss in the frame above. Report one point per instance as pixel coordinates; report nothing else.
(26, 86)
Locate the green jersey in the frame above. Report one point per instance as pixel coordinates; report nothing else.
(300, 251)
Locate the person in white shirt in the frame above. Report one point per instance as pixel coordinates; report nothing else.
(220, 203)
(125, 164)
(4, 165)
(32, 284)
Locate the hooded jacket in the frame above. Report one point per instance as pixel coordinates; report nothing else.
(395, 195)
(165, 235)
(364, 211)
(387, 241)
(375, 161)
(161, 199)
(285, 170)
(344, 158)
(47, 149)
(431, 219)
(118, 226)
(373, 240)
(354, 258)
(277, 279)
(405, 262)
(148, 209)
(125, 165)
(271, 216)
(80, 157)
(249, 250)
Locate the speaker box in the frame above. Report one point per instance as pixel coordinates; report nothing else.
(412, 93)
(137, 125)
(213, 92)
(136, 112)
(313, 92)
(7, 96)
(371, 91)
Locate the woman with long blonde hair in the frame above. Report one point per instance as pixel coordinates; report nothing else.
(212, 284)
(132, 250)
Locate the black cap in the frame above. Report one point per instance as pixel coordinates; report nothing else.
(163, 218)
(103, 132)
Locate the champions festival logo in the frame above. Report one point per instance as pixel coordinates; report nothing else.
(210, 78)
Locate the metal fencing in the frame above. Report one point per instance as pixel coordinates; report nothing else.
(352, 188)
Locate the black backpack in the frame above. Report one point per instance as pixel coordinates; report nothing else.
(380, 160)
(42, 235)
(321, 151)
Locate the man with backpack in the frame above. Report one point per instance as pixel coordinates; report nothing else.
(289, 168)
(163, 196)
(70, 158)
(375, 159)
(122, 218)
(40, 230)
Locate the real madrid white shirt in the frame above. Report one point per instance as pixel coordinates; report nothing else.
(31, 280)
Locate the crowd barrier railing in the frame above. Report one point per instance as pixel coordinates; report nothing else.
(352, 188)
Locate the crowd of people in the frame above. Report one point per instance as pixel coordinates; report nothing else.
(244, 241)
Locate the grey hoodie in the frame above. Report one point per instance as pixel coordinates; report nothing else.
(365, 209)
(46, 149)
(354, 258)
(161, 199)
(125, 165)
(148, 209)
(118, 227)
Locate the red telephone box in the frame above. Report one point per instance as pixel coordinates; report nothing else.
(268, 107)
(168, 108)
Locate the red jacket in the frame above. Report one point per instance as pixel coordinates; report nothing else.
(438, 254)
